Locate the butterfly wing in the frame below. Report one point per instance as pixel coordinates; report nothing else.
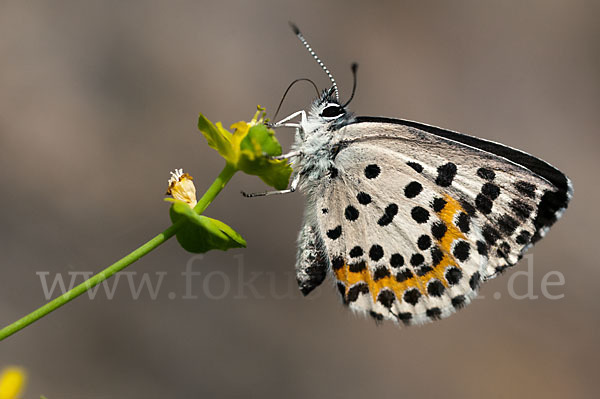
(411, 221)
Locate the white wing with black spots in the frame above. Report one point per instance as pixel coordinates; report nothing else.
(391, 238)
(410, 219)
(511, 196)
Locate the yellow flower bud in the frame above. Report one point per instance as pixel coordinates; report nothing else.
(12, 381)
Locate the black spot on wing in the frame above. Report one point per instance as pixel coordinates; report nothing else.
(356, 290)
(503, 250)
(381, 272)
(404, 275)
(463, 222)
(482, 248)
(434, 313)
(435, 288)
(404, 317)
(376, 252)
(458, 301)
(386, 298)
(438, 204)
(416, 166)
(438, 230)
(351, 213)
(500, 269)
(462, 250)
(396, 260)
(507, 224)
(490, 234)
(372, 171)
(469, 209)
(525, 188)
(523, 238)
(419, 214)
(453, 275)
(490, 190)
(377, 316)
(413, 189)
(484, 204)
(335, 233)
(475, 280)
(486, 174)
(436, 256)
(423, 270)
(417, 259)
(424, 242)
(357, 267)
(363, 198)
(412, 296)
(446, 174)
(520, 209)
(356, 252)
(388, 215)
(337, 263)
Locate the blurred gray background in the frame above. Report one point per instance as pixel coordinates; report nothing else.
(99, 101)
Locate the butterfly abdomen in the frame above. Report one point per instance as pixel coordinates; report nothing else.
(311, 263)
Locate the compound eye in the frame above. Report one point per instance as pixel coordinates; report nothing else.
(332, 111)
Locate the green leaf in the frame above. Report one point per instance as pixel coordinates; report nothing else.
(228, 231)
(200, 233)
(248, 149)
(274, 173)
(261, 140)
(218, 138)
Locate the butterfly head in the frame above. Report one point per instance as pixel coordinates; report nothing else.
(326, 110)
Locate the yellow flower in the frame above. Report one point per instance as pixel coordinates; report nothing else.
(249, 148)
(182, 188)
(12, 381)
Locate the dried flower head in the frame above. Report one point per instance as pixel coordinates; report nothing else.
(182, 188)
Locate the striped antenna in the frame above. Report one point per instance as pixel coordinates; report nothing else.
(312, 52)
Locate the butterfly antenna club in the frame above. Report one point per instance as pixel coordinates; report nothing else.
(354, 69)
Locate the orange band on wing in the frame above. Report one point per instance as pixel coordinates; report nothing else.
(447, 214)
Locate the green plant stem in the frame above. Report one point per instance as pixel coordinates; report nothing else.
(215, 188)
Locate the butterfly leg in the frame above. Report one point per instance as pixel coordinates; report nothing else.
(284, 121)
(292, 188)
(311, 261)
(285, 156)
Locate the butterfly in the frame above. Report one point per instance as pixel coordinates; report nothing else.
(409, 218)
